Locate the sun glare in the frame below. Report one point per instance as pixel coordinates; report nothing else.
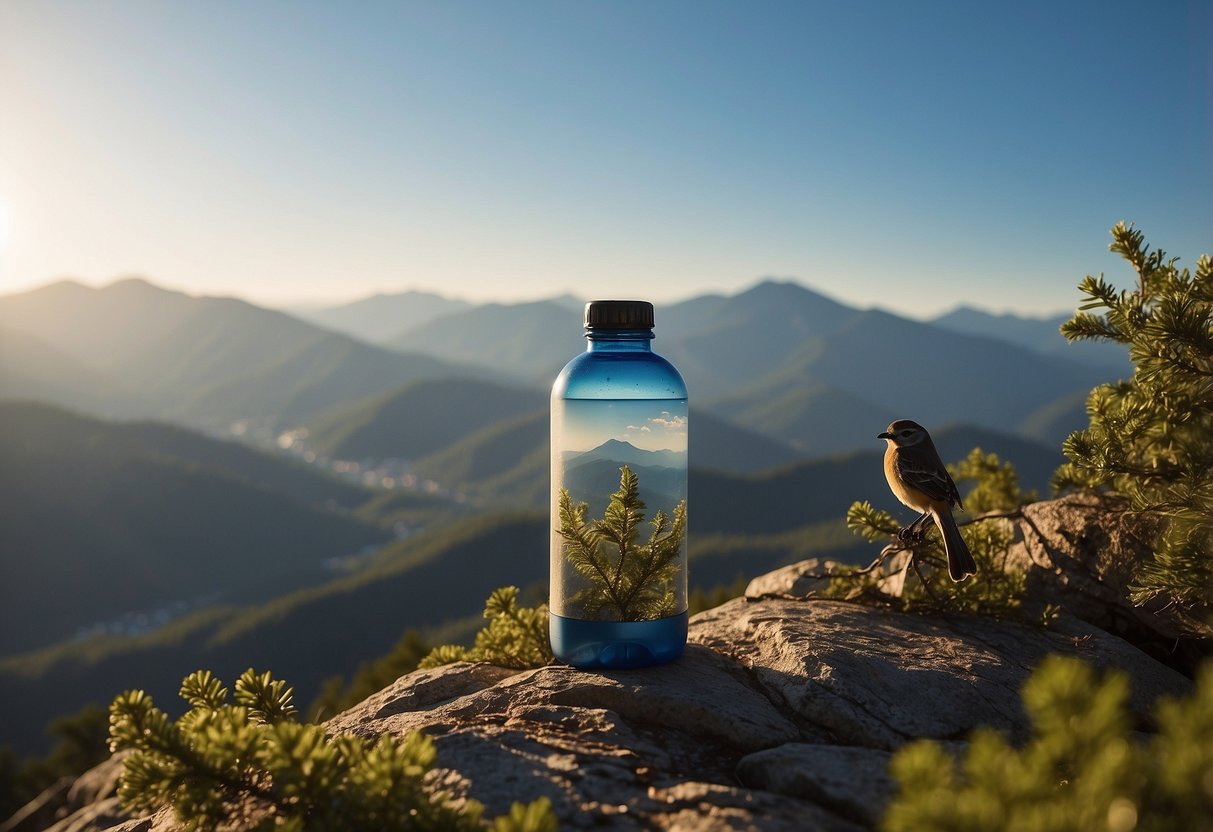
(6, 223)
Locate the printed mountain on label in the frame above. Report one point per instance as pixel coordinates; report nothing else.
(625, 453)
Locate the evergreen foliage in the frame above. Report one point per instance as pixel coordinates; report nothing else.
(628, 581)
(1150, 438)
(514, 637)
(996, 590)
(252, 765)
(1082, 769)
(995, 483)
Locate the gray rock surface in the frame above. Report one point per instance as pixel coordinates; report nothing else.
(874, 678)
(849, 779)
(781, 715)
(796, 579)
(1078, 552)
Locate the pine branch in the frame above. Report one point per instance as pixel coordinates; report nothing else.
(225, 769)
(634, 580)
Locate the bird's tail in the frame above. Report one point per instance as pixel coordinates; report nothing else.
(960, 559)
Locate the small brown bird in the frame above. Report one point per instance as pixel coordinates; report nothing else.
(920, 480)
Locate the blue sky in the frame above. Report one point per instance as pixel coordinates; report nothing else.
(641, 424)
(911, 156)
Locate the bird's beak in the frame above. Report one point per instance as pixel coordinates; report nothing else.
(884, 436)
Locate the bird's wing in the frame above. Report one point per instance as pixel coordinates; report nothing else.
(927, 475)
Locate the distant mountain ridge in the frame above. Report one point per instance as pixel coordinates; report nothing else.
(382, 317)
(420, 418)
(1041, 335)
(778, 358)
(528, 342)
(32, 369)
(800, 366)
(207, 361)
(617, 450)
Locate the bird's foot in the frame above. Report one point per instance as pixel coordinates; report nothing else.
(909, 535)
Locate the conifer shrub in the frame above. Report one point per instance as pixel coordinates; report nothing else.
(996, 590)
(1082, 768)
(248, 764)
(1150, 438)
(515, 636)
(626, 580)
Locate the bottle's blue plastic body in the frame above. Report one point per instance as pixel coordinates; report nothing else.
(619, 365)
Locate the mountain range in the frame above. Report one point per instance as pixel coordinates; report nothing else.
(799, 367)
(122, 499)
(140, 350)
(778, 359)
(381, 317)
(625, 453)
(1039, 334)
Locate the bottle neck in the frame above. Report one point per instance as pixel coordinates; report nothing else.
(619, 340)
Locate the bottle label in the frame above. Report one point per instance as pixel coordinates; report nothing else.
(619, 508)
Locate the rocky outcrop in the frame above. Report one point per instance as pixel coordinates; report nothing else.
(1079, 553)
(781, 715)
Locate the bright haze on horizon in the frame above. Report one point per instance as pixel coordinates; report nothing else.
(909, 156)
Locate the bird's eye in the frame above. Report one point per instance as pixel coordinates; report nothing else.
(906, 432)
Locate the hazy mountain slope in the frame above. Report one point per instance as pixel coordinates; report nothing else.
(281, 474)
(31, 369)
(204, 360)
(1039, 334)
(515, 449)
(727, 446)
(929, 374)
(815, 420)
(796, 366)
(720, 347)
(103, 519)
(526, 341)
(305, 384)
(382, 317)
(1055, 421)
(107, 328)
(419, 419)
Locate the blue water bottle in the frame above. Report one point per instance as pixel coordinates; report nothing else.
(619, 497)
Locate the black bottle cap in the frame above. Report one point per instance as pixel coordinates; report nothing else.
(619, 314)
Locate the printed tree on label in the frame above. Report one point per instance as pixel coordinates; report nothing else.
(629, 581)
